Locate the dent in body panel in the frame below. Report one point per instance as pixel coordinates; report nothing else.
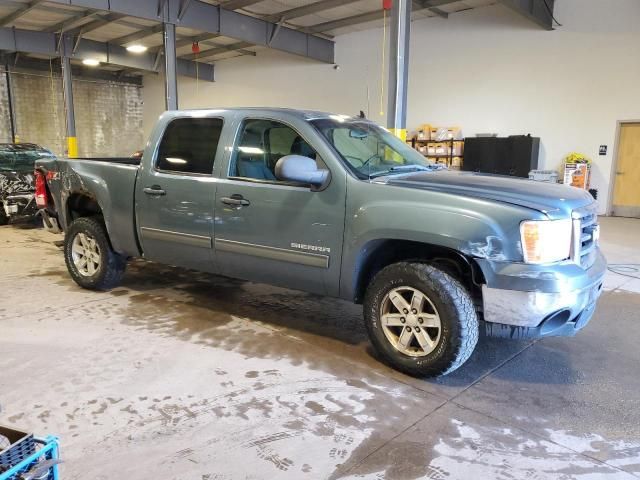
(491, 249)
(111, 185)
(476, 227)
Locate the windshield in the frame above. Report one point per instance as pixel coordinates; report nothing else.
(22, 161)
(368, 149)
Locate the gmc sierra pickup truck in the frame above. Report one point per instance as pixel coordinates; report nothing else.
(336, 205)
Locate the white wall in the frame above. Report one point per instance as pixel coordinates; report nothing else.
(277, 80)
(487, 70)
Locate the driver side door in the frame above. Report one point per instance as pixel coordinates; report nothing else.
(273, 231)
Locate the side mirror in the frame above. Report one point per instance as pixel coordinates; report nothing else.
(296, 168)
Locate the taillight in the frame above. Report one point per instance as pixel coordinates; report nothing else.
(41, 190)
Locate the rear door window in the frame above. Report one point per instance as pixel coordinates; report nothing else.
(189, 145)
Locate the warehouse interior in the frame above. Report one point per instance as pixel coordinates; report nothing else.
(186, 371)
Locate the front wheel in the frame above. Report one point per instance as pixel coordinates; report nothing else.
(420, 319)
(91, 261)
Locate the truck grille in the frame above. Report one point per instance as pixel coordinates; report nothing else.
(585, 228)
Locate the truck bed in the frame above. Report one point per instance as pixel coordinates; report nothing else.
(121, 160)
(109, 181)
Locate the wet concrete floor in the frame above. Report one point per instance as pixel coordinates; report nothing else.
(181, 375)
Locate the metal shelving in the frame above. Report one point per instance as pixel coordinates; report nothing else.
(450, 142)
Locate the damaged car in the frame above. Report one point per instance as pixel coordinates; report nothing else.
(17, 187)
(337, 206)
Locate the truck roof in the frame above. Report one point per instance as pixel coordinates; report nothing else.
(304, 114)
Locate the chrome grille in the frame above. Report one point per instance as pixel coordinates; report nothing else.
(585, 226)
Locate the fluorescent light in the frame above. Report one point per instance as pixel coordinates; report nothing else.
(250, 150)
(174, 160)
(137, 48)
(90, 62)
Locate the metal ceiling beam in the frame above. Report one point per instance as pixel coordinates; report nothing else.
(241, 51)
(184, 6)
(139, 35)
(44, 8)
(73, 22)
(346, 22)
(29, 41)
(20, 12)
(237, 4)
(419, 5)
(212, 52)
(100, 22)
(538, 11)
(30, 63)
(217, 19)
(310, 9)
(184, 41)
(370, 17)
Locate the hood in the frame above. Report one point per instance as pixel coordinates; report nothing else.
(14, 182)
(552, 199)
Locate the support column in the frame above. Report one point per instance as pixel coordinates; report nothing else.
(399, 67)
(12, 115)
(170, 67)
(67, 89)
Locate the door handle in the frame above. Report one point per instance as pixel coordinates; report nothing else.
(154, 190)
(236, 200)
(619, 173)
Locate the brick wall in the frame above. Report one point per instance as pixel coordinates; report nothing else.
(108, 114)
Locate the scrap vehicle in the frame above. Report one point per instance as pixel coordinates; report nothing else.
(17, 188)
(337, 206)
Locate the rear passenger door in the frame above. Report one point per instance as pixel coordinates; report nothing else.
(175, 194)
(273, 231)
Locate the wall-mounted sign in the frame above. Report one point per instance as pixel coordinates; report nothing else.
(603, 149)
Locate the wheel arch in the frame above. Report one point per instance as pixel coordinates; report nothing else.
(81, 204)
(378, 254)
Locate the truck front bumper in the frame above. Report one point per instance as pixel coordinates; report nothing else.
(529, 301)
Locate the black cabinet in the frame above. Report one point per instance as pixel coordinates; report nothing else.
(515, 155)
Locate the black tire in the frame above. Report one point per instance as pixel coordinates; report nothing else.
(3, 216)
(112, 265)
(458, 318)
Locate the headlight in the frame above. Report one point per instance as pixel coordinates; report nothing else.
(546, 241)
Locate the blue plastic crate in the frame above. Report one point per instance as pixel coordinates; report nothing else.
(25, 453)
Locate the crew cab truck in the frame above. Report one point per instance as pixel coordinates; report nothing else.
(336, 205)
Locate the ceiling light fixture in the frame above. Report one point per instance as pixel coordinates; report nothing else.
(90, 62)
(177, 161)
(251, 150)
(137, 48)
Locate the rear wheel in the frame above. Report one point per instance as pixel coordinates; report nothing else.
(420, 319)
(91, 261)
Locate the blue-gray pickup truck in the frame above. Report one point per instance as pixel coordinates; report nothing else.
(337, 206)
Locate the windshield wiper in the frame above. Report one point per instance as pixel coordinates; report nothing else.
(401, 169)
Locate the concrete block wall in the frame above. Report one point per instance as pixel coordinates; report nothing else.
(5, 121)
(108, 114)
(108, 118)
(39, 110)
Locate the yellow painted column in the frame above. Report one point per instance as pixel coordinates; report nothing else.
(72, 147)
(401, 133)
(67, 90)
